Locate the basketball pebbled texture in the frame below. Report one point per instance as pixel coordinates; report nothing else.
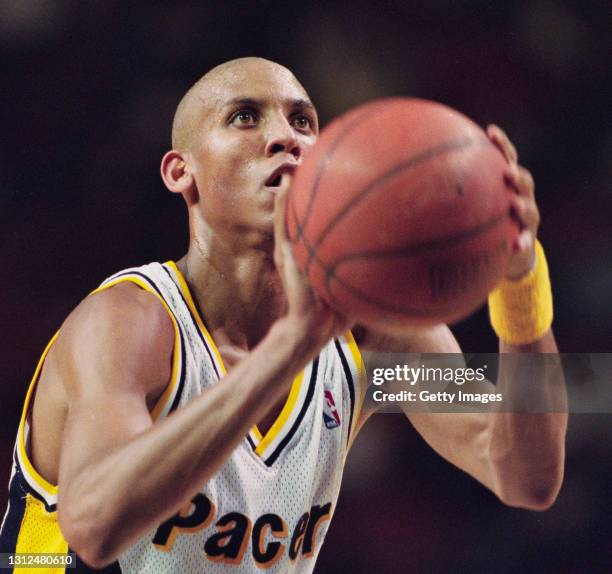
(401, 214)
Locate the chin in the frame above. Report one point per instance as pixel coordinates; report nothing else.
(258, 234)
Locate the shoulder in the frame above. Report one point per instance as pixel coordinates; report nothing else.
(124, 313)
(120, 336)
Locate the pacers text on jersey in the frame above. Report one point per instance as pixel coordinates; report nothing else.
(269, 533)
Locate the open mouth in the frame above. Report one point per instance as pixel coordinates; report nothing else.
(278, 176)
(275, 180)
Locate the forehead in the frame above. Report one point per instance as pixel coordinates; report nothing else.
(263, 81)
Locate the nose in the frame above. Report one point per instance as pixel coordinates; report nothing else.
(282, 138)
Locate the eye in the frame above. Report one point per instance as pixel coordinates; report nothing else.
(244, 118)
(302, 122)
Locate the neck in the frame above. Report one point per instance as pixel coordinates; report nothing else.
(237, 289)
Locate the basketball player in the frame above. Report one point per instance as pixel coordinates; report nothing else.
(195, 417)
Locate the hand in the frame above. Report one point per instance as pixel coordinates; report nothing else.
(319, 319)
(523, 205)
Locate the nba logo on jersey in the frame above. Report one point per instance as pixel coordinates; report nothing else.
(330, 414)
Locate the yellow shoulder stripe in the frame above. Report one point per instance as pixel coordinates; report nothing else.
(194, 311)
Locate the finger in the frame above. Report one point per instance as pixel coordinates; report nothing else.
(500, 137)
(503, 143)
(520, 242)
(521, 180)
(517, 210)
(281, 243)
(526, 185)
(526, 211)
(280, 205)
(511, 177)
(524, 243)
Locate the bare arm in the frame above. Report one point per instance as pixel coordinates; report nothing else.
(541, 436)
(518, 456)
(121, 475)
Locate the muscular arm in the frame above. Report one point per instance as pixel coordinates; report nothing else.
(530, 447)
(519, 456)
(120, 475)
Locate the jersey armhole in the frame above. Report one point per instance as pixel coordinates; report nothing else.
(34, 481)
(169, 398)
(359, 379)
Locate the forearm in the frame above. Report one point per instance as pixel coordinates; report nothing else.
(527, 441)
(115, 499)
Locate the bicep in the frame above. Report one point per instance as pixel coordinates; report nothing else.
(113, 356)
(97, 424)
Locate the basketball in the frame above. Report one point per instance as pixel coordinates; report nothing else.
(400, 214)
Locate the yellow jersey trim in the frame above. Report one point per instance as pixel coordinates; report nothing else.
(361, 382)
(31, 474)
(263, 441)
(257, 433)
(355, 353)
(40, 482)
(194, 311)
(279, 423)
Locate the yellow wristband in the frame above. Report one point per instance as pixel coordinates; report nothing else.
(522, 311)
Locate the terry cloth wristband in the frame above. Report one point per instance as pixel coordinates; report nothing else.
(522, 311)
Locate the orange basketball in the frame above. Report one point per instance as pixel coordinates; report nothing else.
(400, 214)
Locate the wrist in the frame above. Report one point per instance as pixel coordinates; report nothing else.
(297, 335)
(521, 310)
(524, 273)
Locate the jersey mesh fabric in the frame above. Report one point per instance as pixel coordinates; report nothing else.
(304, 473)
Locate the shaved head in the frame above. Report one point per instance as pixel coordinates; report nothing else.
(208, 89)
(234, 129)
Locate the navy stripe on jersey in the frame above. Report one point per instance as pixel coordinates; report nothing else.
(195, 323)
(311, 388)
(251, 442)
(14, 515)
(179, 391)
(201, 336)
(81, 568)
(182, 365)
(350, 383)
(26, 487)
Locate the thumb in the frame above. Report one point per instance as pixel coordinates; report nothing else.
(280, 206)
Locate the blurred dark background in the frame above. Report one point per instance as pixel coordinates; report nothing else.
(88, 93)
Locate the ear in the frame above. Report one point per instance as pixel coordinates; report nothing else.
(177, 177)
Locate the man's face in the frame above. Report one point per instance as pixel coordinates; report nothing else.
(256, 122)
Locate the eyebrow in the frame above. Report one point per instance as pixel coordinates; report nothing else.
(297, 103)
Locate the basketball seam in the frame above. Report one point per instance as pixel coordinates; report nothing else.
(432, 245)
(400, 168)
(300, 228)
(410, 251)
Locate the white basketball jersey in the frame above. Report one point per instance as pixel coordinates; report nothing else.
(270, 505)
